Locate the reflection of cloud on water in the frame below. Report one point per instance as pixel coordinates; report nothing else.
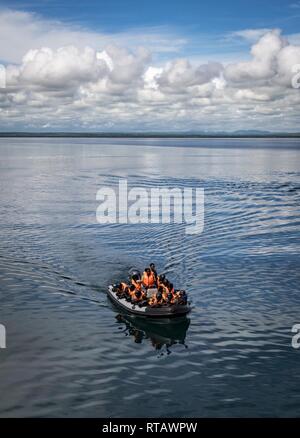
(161, 334)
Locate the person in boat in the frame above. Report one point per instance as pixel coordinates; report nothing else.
(122, 290)
(157, 299)
(180, 297)
(154, 272)
(164, 290)
(164, 285)
(148, 279)
(183, 297)
(170, 293)
(136, 282)
(170, 298)
(160, 280)
(171, 288)
(137, 296)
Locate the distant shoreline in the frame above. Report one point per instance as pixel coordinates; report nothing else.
(142, 135)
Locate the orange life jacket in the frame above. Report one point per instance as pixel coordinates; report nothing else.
(131, 292)
(124, 287)
(165, 292)
(136, 284)
(171, 300)
(176, 296)
(148, 280)
(135, 298)
(153, 300)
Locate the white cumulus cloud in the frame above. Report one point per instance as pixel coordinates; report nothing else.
(73, 79)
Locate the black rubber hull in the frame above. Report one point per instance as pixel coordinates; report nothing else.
(152, 312)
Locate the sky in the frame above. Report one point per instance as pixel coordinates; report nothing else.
(149, 65)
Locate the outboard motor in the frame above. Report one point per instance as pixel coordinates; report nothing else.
(134, 271)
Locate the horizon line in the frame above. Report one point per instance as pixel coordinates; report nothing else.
(152, 134)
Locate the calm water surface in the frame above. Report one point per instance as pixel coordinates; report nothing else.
(69, 351)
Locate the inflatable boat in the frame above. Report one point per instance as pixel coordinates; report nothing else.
(164, 311)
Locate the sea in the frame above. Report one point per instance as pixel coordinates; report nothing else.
(71, 353)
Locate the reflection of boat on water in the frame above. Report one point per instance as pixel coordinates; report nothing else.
(166, 332)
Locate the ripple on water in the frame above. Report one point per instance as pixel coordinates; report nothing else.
(70, 352)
